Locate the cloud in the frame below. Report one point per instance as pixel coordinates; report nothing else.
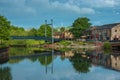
(16, 7)
(42, 6)
(70, 6)
(101, 3)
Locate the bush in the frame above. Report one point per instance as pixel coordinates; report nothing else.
(65, 43)
(107, 47)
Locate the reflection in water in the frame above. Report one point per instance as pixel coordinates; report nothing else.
(4, 57)
(81, 59)
(5, 73)
(66, 63)
(80, 63)
(115, 62)
(110, 60)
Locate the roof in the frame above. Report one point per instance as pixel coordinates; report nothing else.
(57, 33)
(107, 26)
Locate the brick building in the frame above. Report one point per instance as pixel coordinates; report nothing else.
(104, 32)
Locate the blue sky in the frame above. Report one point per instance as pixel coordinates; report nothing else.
(33, 13)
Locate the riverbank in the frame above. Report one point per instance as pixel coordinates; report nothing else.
(73, 44)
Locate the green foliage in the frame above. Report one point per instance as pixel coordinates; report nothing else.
(41, 30)
(62, 29)
(80, 64)
(3, 45)
(17, 31)
(79, 26)
(35, 42)
(107, 47)
(65, 43)
(32, 32)
(45, 60)
(17, 42)
(4, 28)
(5, 73)
(82, 43)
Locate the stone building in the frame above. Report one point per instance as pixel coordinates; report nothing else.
(64, 35)
(104, 32)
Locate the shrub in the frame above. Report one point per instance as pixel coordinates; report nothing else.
(65, 43)
(107, 47)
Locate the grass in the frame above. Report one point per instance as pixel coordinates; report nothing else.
(65, 43)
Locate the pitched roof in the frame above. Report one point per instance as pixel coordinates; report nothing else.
(107, 26)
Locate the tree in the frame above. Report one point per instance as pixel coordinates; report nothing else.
(32, 32)
(62, 29)
(17, 31)
(4, 28)
(79, 26)
(41, 31)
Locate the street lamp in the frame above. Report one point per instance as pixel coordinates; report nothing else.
(52, 41)
(51, 27)
(45, 27)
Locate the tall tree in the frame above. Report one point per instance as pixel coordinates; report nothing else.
(62, 29)
(79, 26)
(32, 32)
(17, 31)
(43, 29)
(4, 28)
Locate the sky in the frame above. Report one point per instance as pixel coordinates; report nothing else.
(33, 13)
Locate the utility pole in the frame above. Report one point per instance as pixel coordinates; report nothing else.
(51, 41)
(51, 30)
(45, 27)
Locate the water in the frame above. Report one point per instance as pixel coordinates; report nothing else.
(82, 64)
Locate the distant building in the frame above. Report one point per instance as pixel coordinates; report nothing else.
(104, 32)
(67, 35)
(63, 35)
(57, 35)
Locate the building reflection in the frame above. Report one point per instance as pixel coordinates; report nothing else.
(110, 60)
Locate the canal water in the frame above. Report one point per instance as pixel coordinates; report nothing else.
(64, 64)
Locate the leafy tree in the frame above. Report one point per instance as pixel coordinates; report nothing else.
(4, 28)
(62, 29)
(32, 32)
(17, 31)
(41, 30)
(79, 26)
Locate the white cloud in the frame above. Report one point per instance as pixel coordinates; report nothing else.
(70, 6)
(101, 3)
(34, 6)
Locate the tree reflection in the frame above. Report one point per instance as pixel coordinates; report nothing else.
(80, 63)
(45, 60)
(13, 61)
(5, 73)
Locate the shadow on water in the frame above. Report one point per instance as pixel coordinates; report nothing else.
(5, 72)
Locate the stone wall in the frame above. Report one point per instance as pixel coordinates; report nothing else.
(115, 33)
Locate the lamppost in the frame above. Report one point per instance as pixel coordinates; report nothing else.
(51, 27)
(45, 27)
(52, 42)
